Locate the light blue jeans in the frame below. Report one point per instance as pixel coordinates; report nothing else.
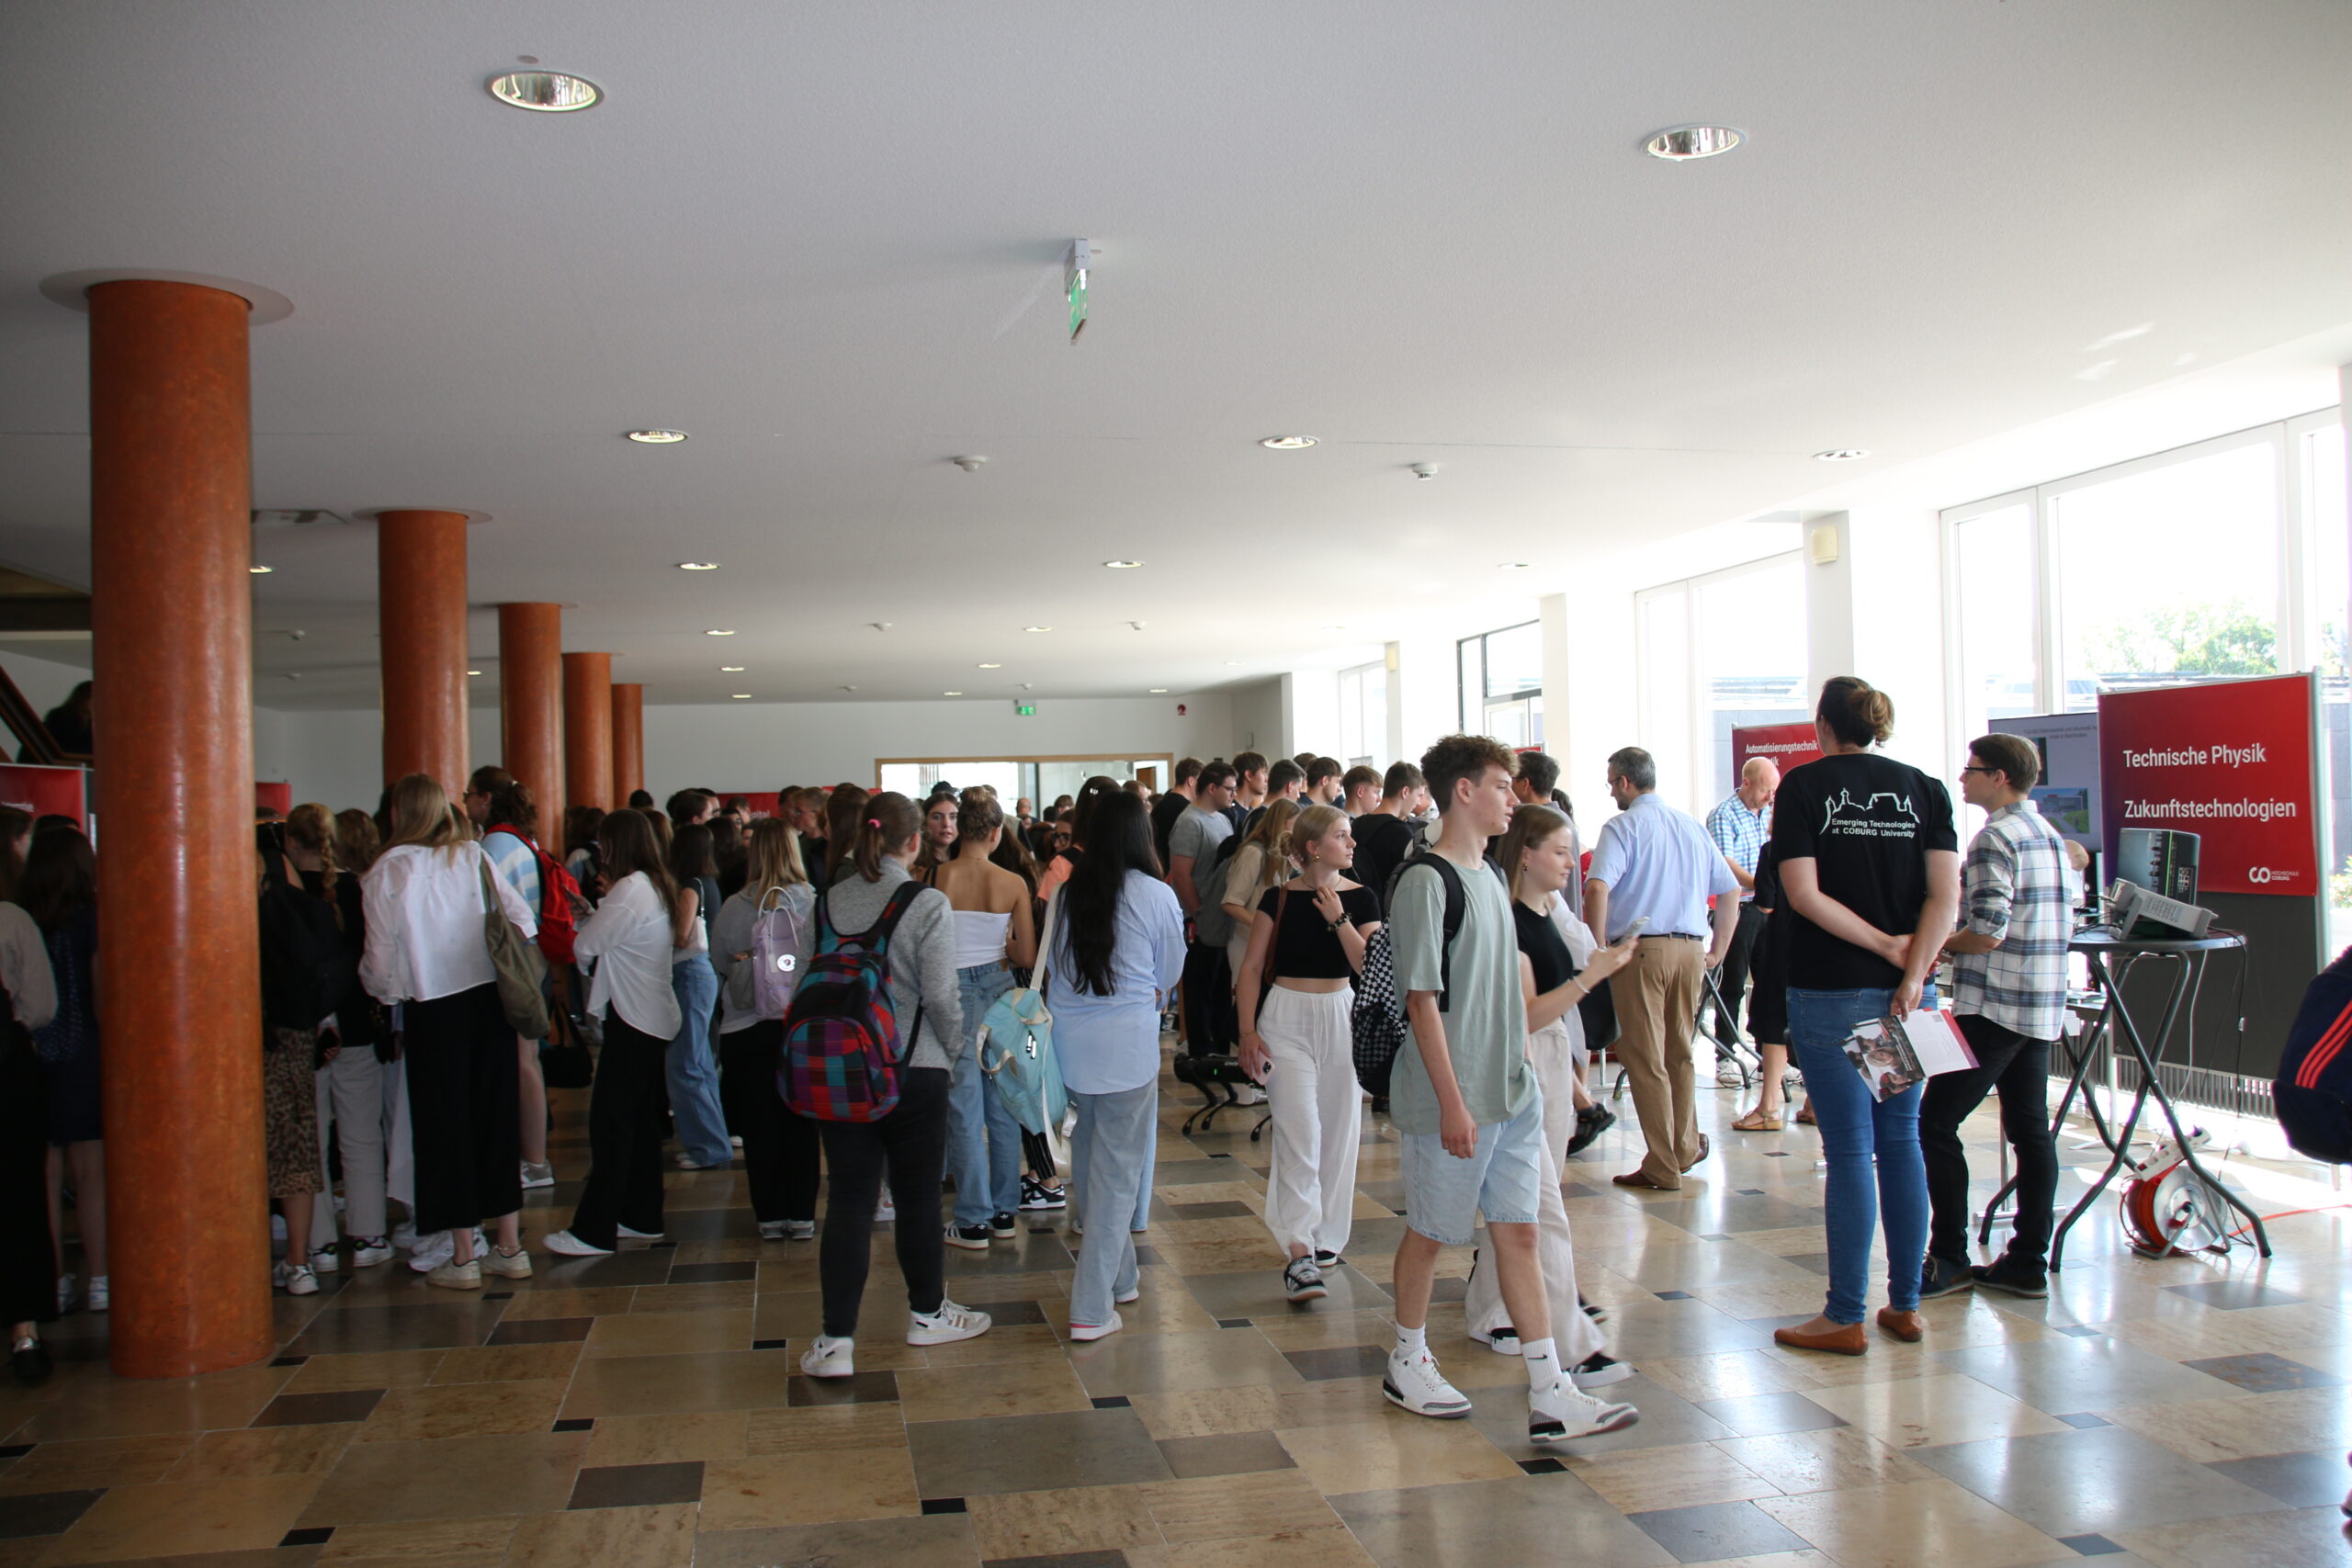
(1079, 1157)
(691, 1066)
(1115, 1136)
(983, 1140)
(1858, 1133)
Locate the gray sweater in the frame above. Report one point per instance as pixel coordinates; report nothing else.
(923, 958)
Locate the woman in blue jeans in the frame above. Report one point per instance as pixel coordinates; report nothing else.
(1869, 864)
(994, 936)
(691, 1065)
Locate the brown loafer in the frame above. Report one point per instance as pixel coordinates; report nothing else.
(1907, 1326)
(1847, 1340)
(1705, 1149)
(1636, 1178)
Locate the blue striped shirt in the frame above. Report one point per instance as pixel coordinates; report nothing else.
(2013, 885)
(1740, 834)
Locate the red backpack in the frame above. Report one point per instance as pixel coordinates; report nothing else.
(560, 897)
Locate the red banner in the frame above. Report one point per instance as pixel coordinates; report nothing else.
(277, 797)
(2231, 763)
(1785, 746)
(45, 792)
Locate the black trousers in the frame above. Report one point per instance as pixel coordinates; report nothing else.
(912, 1140)
(780, 1159)
(625, 1107)
(1731, 980)
(465, 1108)
(27, 1264)
(1212, 1028)
(2020, 1069)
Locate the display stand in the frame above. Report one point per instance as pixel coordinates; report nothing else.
(2101, 948)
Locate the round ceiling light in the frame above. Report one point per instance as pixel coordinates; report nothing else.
(1159, 691)
(991, 666)
(1036, 629)
(1682, 144)
(261, 570)
(1510, 566)
(546, 92)
(657, 437)
(720, 631)
(473, 672)
(1287, 443)
(951, 694)
(697, 566)
(1842, 454)
(731, 670)
(742, 696)
(1123, 565)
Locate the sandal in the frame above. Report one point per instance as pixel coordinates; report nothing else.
(1805, 1116)
(1756, 1122)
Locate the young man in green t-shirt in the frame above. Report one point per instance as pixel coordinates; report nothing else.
(1465, 1100)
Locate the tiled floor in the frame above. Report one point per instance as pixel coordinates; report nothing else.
(645, 1410)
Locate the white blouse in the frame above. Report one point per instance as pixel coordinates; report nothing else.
(424, 910)
(630, 937)
(24, 968)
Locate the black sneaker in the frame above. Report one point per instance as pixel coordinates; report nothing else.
(1036, 1196)
(1942, 1277)
(1324, 1260)
(2010, 1279)
(1302, 1281)
(1591, 1123)
(1595, 1312)
(971, 1238)
(1598, 1371)
(1001, 1226)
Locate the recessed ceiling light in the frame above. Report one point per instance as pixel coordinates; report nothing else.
(951, 694)
(720, 631)
(1842, 454)
(547, 92)
(697, 566)
(657, 437)
(1286, 443)
(1684, 143)
(991, 666)
(1036, 629)
(1159, 691)
(1123, 565)
(742, 696)
(1510, 566)
(473, 672)
(261, 570)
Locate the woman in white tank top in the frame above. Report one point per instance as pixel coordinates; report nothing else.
(994, 935)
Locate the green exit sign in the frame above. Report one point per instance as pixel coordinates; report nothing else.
(1024, 710)
(1075, 267)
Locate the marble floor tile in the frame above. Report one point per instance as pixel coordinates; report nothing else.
(2061, 1375)
(1139, 1363)
(877, 1424)
(2245, 1425)
(1708, 1532)
(1218, 1507)
(1836, 1460)
(2093, 1481)
(1762, 1415)
(939, 1541)
(651, 1385)
(1026, 1453)
(667, 1439)
(476, 1542)
(1025, 1388)
(1951, 1408)
(96, 1462)
(375, 1369)
(265, 1451)
(644, 1537)
(1901, 1526)
(2303, 1538)
(1636, 1481)
(447, 1478)
(2298, 1480)
(1057, 1523)
(464, 1410)
(687, 1331)
(233, 1514)
(1524, 1518)
(1234, 1453)
(1398, 1450)
(807, 1488)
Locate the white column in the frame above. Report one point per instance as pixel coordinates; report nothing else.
(1559, 711)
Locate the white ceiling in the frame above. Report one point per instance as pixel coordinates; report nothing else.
(825, 240)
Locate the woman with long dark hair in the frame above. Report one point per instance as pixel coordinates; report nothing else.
(424, 898)
(880, 901)
(995, 934)
(780, 1150)
(1118, 951)
(60, 891)
(1869, 864)
(691, 1068)
(633, 938)
(1065, 860)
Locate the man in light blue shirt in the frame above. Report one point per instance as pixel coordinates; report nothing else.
(1656, 864)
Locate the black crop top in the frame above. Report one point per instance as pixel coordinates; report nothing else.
(1546, 949)
(1303, 949)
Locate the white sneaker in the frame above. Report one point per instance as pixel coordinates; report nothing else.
(295, 1279)
(829, 1359)
(98, 1300)
(885, 1211)
(735, 1140)
(367, 1251)
(66, 1294)
(946, 1325)
(466, 1276)
(439, 1247)
(800, 1230)
(628, 1235)
(515, 1265)
(771, 1230)
(542, 1174)
(1127, 1296)
(571, 1245)
(1415, 1383)
(405, 1235)
(1728, 1075)
(1564, 1412)
(1502, 1339)
(1084, 1332)
(325, 1261)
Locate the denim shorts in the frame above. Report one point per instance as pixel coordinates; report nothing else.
(1444, 1196)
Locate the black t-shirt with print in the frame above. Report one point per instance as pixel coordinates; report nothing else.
(1867, 822)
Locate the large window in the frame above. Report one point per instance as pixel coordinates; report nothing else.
(1363, 715)
(1994, 587)
(1718, 653)
(1039, 778)
(1503, 684)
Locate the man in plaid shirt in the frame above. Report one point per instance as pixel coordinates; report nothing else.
(1739, 824)
(2009, 969)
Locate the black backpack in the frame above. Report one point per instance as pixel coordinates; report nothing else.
(1376, 1023)
(2314, 1090)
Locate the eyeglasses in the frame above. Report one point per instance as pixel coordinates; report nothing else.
(1972, 768)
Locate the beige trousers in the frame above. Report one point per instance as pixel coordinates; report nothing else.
(1658, 1006)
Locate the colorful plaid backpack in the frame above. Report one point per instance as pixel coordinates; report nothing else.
(842, 1051)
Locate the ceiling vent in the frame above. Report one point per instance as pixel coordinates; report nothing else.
(296, 517)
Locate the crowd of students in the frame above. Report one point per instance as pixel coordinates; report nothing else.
(1245, 907)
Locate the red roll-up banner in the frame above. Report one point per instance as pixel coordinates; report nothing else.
(2230, 762)
(1783, 745)
(45, 792)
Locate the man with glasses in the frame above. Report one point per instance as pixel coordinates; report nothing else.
(2009, 996)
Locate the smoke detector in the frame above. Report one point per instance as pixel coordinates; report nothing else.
(971, 465)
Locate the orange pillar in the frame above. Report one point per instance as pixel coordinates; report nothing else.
(588, 730)
(179, 981)
(530, 708)
(421, 599)
(629, 740)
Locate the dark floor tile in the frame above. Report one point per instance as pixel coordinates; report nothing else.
(437, 1326)
(318, 1409)
(735, 1223)
(1543, 1466)
(1006, 1313)
(1776, 1153)
(19, 1451)
(1190, 1172)
(929, 1542)
(1767, 1414)
(44, 1513)
(542, 1331)
(2233, 1294)
(576, 1424)
(858, 1388)
(2265, 1373)
(1225, 1453)
(1031, 1453)
(1234, 1323)
(1146, 1258)
(1811, 1262)
(1223, 1209)
(712, 1273)
(1340, 1361)
(1718, 1529)
(314, 1535)
(289, 1361)
(497, 1295)
(2083, 1420)
(2301, 1481)
(2090, 1545)
(932, 1505)
(636, 1485)
(1450, 1288)
(2103, 1480)
(778, 1344)
(1673, 1295)
(1109, 1558)
(1750, 1191)
(1112, 1402)
(2078, 1331)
